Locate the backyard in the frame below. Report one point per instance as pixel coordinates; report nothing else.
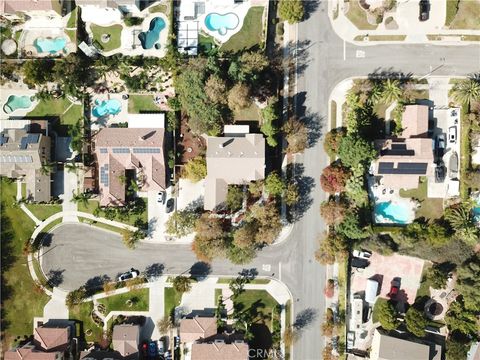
(72, 25)
(139, 301)
(141, 103)
(358, 16)
(112, 33)
(18, 310)
(67, 113)
(251, 33)
(251, 113)
(429, 208)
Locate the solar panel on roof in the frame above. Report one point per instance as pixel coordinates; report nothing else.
(146, 150)
(398, 152)
(23, 143)
(121, 150)
(33, 138)
(399, 146)
(403, 168)
(3, 139)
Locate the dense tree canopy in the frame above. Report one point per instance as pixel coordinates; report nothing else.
(415, 321)
(291, 10)
(334, 178)
(354, 150)
(386, 314)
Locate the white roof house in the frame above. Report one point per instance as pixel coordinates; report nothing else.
(152, 120)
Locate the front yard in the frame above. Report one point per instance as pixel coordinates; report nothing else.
(251, 33)
(112, 33)
(139, 301)
(18, 309)
(81, 313)
(463, 14)
(172, 300)
(130, 219)
(358, 16)
(44, 211)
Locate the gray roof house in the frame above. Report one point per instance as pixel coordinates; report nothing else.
(125, 340)
(232, 160)
(21, 156)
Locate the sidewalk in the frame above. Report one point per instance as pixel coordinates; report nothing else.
(407, 25)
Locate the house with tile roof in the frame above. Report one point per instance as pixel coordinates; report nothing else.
(52, 338)
(135, 151)
(28, 352)
(10, 8)
(192, 329)
(404, 159)
(126, 339)
(234, 159)
(22, 154)
(220, 350)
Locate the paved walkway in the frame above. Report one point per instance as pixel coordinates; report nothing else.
(56, 307)
(19, 190)
(70, 188)
(406, 17)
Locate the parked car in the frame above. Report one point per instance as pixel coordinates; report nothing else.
(168, 355)
(440, 171)
(424, 10)
(452, 134)
(350, 339)
(129, 275)
(161, 197)
(161, 347)
(440, 145)
(170, 205)
(152, 349)
(176, 342)
(144, 349)
(362, 254)
(395, 286)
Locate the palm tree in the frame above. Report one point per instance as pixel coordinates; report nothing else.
(391, 91)
(462, 221)
(182, 284)
(466, 92)
(71, 166)
(46, 168)
(81, 198)
(375, 94)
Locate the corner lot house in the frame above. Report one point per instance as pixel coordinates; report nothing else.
(21, 156)
(234, 159)
(197, 328)
(52, 339)
(125, 340)
(219, 350)
(405, 159)
(124, 153)
(386, 347)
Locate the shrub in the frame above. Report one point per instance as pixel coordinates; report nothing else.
(386, 314)
(334, 178)
(132, 21)
(415, 321)
(195, 169)
(291, 10)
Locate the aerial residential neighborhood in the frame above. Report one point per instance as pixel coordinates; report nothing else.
(240, 179)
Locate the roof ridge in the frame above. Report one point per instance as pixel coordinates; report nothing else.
(198, 323)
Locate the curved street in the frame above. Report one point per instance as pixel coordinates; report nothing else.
(81, 254)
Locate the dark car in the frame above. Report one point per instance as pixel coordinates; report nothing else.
(152, 349)
(176, 342)
(440, 173)
(144, 349)
(170, 205)
(424, 10)
(395, 286)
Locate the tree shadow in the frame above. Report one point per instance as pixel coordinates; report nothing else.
(55, 277)
(154, 270)
(305, 185)
(293, 53)
(200, 269)
(380, 74)
(313, 122)
(305, 318)
(248, 274)
(309, 7)
(195, 205)
(95, 283)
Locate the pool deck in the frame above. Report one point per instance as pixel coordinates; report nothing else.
(18, 91)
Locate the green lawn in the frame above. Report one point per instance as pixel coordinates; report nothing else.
(81, 313)
(140, 103)
(93, 204)
(358, 16)
(452, 8)
(43, 211)
(101, 225)
(254, 281)
(252, 113)
(114, 31)
(288, 322)
(251, 33)
(62, 108)
(467, 16)
(172, 300)
(429, 208)
(257, 302)
(424, 288)
(162, 8)
(20, 299)
(138, 297)
(72, 24)
(205, 42)
(50, 226)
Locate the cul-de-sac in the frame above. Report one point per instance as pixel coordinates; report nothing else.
(240, 179)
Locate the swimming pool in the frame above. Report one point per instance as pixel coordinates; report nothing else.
(476, 210)
(106, 107)
(221, 22)
(150, 38)
(15, 102)
(391, 213)
(50, 45)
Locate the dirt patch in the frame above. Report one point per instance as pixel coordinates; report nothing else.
(189, 145)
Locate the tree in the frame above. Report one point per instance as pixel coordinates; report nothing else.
(216, 88)
(415, 321)
(75, 132)
(355, 187)
(182, 284)
(354, 150)
(333, 212)
(332, 141)
(209, 241)
(255, 188)
(269, 116)
(181, 223)
(240, 256)
(350, 227)
(274, 185)
(466, 92)
(462, 221)
(437, 276)
(195, 169)
(37, 72)
(239, 97)
(334, 178)
(130, 238)
(268, 219)
(460, 320)
(456, 350)
(291, 10)
(331, 248)
(252, 63)
(75, 297)
(292, 195)
(328, 323)
(164, 324)
(386, 314)
(234, 198)
(391, 91)
(467, 283)
(220, 311)
(244, 237)
(296, 135)
(81, 198)
(46, 167)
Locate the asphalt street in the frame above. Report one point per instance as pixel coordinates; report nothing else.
(81, 254)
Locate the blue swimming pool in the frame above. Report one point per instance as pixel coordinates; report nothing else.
(50, 45)
(388, 212)
(150, 38)
(106, 107)
(221, 22)
(476, 210)
(15, 102)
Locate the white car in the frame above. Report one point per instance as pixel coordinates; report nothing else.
(132, 274)
(161, 197)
